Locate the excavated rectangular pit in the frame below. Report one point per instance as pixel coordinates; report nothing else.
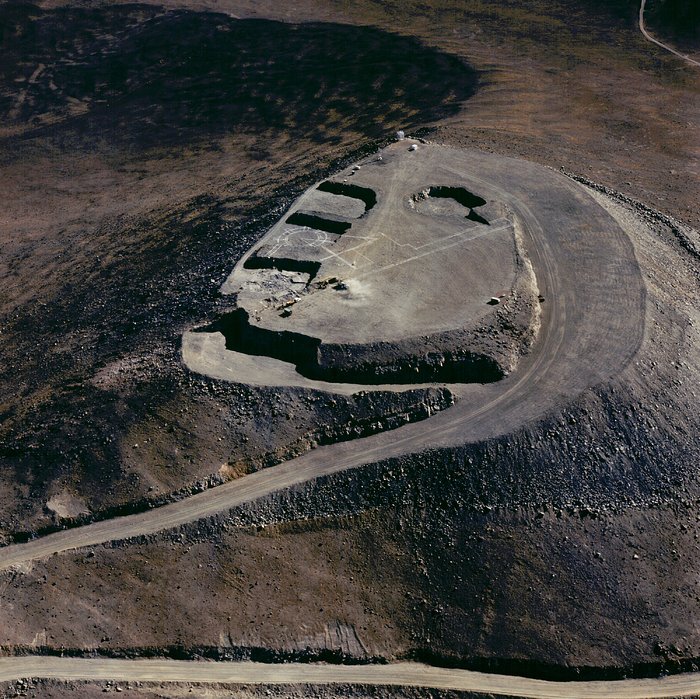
(324, 222)
(283, 264)
(461, 196)
(364, 194)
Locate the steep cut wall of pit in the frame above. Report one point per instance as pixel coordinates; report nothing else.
(365, 194)
(386, 363)
(242, 336)
(442, 359)
(481, 354)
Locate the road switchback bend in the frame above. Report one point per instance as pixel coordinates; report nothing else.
(592, 325)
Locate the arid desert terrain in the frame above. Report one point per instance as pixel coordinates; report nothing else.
(349, 349)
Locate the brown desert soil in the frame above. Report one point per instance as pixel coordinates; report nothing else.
(133, 184)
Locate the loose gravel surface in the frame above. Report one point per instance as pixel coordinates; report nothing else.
(553, 531)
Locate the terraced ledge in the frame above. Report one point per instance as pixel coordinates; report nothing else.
(449, 357)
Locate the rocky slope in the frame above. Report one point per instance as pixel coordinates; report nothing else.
(572, 543)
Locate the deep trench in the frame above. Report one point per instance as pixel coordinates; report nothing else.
(283, 264)
(319, 222)
(333, 362)
(364, 194)
(461, 196)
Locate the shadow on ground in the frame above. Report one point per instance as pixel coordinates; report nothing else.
(145, 151)
(145, 77)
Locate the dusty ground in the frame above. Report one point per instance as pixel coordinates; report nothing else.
(117, 237)
(402, 293)
(83, 186)
(122, 219)
(519, 565)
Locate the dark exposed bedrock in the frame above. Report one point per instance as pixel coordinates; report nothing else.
(404, 362)
(364, 194)
(465, 367)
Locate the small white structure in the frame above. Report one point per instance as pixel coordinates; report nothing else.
(413, 147)
(400, 135)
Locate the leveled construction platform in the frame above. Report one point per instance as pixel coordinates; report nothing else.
(401, 269)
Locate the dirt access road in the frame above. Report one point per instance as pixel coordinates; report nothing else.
(404, 674)
(592, 325)
(649, 37)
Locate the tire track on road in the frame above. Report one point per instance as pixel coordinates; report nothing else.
(403, 674)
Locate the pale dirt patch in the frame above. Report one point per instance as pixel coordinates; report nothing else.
(67, 506)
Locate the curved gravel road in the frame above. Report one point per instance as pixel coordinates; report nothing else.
(396, 674)
(592, 325)
(649, 37)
